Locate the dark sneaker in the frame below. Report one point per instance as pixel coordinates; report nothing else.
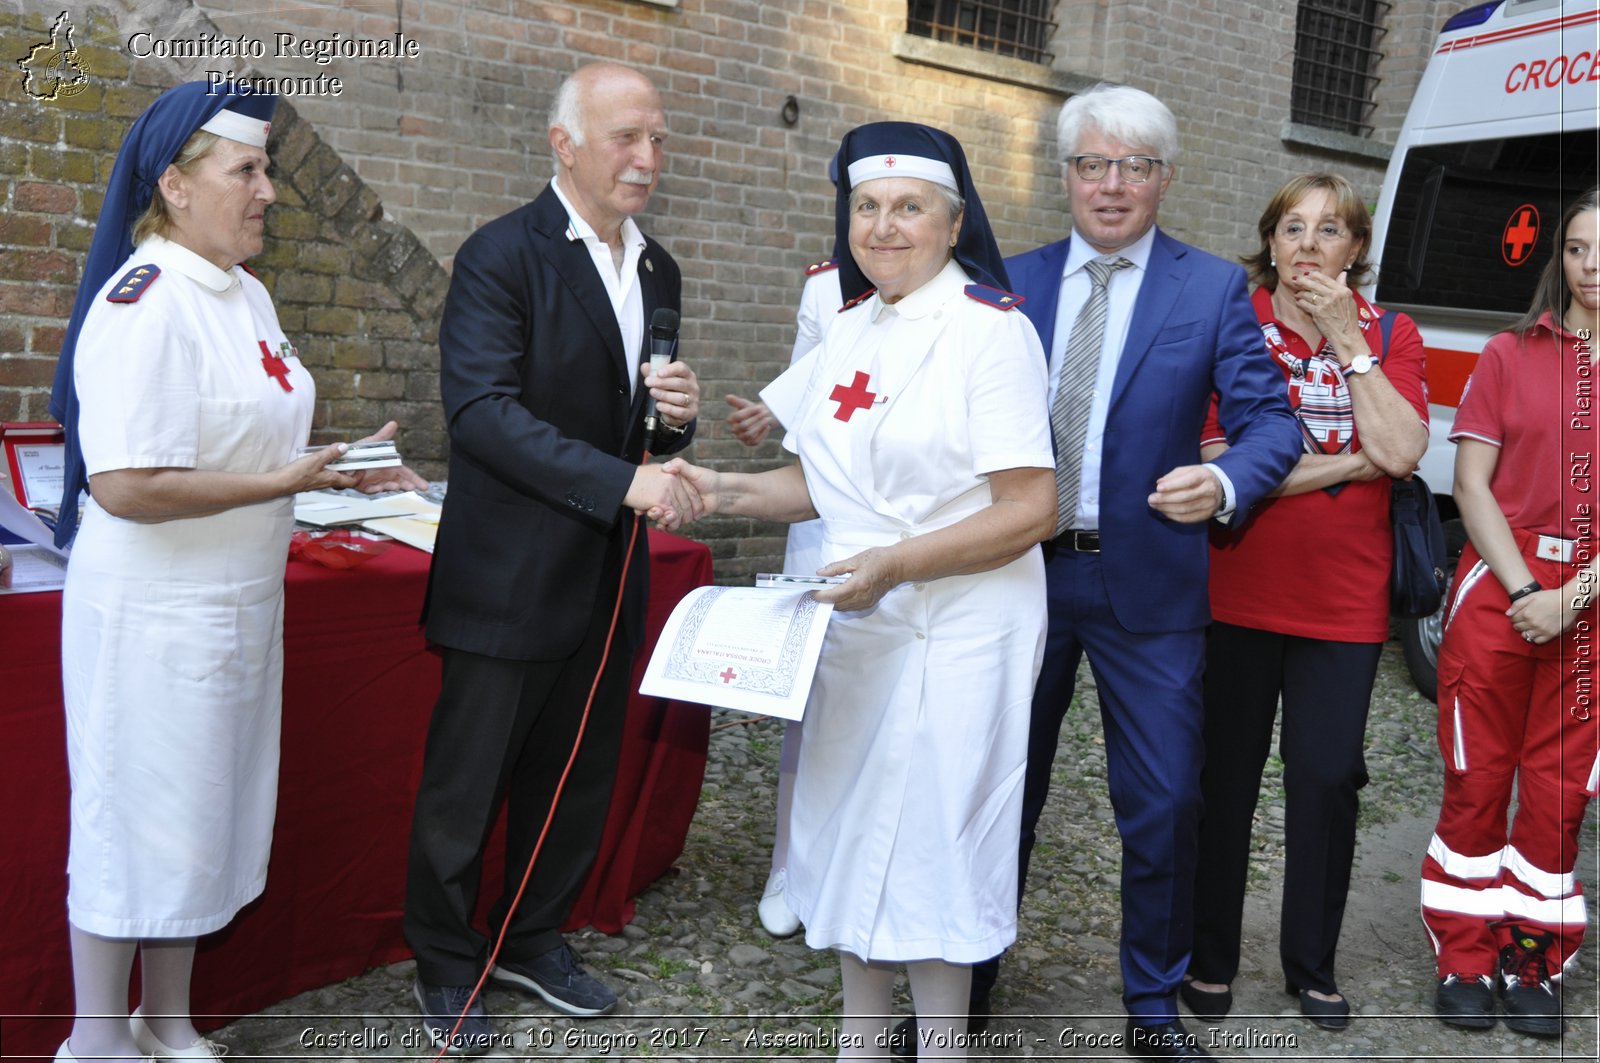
(441, 1006)
(560, 979)
(1465, 1000)
(1526, 992)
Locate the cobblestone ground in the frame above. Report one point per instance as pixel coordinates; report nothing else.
(700, 980)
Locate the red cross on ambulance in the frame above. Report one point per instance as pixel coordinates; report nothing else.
(1521, 235)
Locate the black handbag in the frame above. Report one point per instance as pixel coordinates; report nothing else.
(1417, 581)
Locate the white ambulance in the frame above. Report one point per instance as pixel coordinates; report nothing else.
(1500, 137)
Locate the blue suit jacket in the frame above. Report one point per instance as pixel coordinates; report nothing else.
(1192, 332)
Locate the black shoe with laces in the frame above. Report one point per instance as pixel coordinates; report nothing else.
(560, 980)
(1465, 1000)
(1526, 992)
(441, 1006)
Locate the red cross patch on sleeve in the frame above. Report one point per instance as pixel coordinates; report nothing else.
(995, 297)
(133, 284)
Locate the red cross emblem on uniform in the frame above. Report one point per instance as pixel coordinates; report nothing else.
(275, 367)
(888, 160)
(852, 398)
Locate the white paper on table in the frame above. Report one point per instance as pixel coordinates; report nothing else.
(34, 568)
(418, 530)
(745, 648)
(19, 520)
(326, 509)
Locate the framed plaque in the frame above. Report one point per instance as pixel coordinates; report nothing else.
(36, 458)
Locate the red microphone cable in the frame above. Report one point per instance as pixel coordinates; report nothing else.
(555, 798)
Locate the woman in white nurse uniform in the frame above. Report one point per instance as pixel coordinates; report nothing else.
(924, 445)
(185, 407)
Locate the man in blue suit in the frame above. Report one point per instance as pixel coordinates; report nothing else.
(1132, 372)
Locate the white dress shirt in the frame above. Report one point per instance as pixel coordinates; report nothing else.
(1122, 291)
(622, 284)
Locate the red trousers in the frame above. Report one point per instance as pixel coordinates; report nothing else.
(1510, 711)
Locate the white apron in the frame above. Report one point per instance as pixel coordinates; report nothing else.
(908, 796)
(172, 633)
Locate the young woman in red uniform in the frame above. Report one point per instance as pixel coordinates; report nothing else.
(1516, 669)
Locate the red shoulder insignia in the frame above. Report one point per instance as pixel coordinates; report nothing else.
(995, 297)
(246, 267)
(858, 300)
(134, 284)
(822, 267)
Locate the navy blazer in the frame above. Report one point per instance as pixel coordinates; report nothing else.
(544, 438)
(1192, 332)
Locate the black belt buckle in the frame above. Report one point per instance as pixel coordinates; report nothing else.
(1084, 542)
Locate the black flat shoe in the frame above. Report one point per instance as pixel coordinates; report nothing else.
(1328, 1014)
(1212, 1005)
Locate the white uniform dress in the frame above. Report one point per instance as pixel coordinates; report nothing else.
(172, 633)
(908, 799)
(820, 300)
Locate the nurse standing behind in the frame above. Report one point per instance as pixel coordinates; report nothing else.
(184, 406)
(924, 446)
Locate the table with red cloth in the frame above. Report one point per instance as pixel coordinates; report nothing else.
(359, 686)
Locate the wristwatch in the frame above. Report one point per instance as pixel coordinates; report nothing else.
(1360, 364)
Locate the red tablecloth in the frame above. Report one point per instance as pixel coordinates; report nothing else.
(358, 689)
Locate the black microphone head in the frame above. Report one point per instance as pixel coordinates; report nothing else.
(664, 323)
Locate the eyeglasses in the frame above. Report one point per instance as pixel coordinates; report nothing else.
(1327, 232)
(1135, 169)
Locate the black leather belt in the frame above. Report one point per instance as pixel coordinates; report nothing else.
(1084, 542)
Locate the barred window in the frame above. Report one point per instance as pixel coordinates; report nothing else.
(1017, 28)
(1335, 57)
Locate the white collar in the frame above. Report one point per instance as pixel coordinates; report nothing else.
(579, 229)
(1080, 251)
(186, 262)
(948, 282)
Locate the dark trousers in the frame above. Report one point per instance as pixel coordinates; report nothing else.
(1326, 688)
(1149, 686)
(505, 729)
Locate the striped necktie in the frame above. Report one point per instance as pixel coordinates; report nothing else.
(1069, 414)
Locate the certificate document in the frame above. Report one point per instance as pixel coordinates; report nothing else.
(42, 474)
(748, 648)
(33, 568)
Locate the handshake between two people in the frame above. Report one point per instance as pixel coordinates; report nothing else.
(672, 494)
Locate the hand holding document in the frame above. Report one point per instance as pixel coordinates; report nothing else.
(379, 454)
(753, 649)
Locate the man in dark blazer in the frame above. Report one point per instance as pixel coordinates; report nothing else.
(540, 351)
(1126, 575)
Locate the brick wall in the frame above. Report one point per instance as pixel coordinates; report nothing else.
(456, 136)
(357, 294)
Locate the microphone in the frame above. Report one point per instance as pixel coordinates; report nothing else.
(663, 340)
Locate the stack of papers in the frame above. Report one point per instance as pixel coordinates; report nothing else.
(360, 456)
(407, 517)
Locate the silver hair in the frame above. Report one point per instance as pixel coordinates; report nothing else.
(565, 112)
(1120, 112)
